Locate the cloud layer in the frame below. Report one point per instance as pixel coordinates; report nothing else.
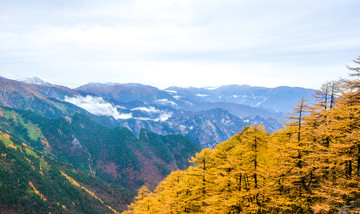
(164, 42)
(97, 106)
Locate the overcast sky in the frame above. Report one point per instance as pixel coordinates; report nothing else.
(179, 42)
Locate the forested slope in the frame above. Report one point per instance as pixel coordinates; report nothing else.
(73, 164)
(33, 182)
(311, 166)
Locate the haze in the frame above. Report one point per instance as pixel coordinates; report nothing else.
(180, 42)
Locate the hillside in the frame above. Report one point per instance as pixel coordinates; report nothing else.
(310, 166)
(37, 98)
(33, 182)
(112, 154)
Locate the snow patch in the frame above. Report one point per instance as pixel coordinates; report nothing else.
(97, 106)
(34, 80)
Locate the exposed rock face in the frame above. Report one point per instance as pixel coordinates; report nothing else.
(206, 116)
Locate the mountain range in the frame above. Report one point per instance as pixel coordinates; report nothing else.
(206, 116)
(97, 144)
(217, 113)
(121, 161)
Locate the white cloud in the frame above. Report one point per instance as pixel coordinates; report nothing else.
(165, 116)
(97, 106)
(171, 91)
(202, 95)
(165, 102)
(151, 109)
(161, 115)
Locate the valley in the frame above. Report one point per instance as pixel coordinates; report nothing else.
(120, 136)
(179, 106)
(206, 120)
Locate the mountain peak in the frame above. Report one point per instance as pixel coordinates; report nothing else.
(34, 80)
(113, 85)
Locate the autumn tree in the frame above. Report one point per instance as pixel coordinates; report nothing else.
(310, 166)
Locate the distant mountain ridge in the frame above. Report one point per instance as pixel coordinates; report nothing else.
(277, 99)
(34, 80)
(125, 92)
(260, 105)
(168, 111)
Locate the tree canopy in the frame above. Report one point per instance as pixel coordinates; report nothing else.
(310, 166)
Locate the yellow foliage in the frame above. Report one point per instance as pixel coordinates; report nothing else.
(28, 160)
(311, 166)
(75, 183)
(70, 179)
(14, 117)
(11, 146)
(110, 208)
(36, 191)
(92, 194)
(44, 141)
(6, 136)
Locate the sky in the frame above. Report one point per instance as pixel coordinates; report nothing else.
(183, 43)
